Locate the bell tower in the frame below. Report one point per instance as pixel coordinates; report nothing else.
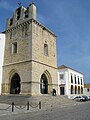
(30, 55)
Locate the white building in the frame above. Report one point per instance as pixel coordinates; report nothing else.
(2, 43)
(70, 81)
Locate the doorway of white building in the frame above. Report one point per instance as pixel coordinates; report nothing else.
(62, 90)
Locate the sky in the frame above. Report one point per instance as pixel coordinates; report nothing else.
(69, 20)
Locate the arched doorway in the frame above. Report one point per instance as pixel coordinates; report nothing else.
(81, 90)
(71, 89)
(78, 89)
(44, 84)
(75, 89)
(15, 84)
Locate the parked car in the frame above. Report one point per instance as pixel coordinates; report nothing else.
(86, 98)
(79, 98)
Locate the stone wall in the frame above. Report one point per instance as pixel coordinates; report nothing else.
(29, 62)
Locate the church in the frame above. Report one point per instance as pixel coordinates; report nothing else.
(30, 66)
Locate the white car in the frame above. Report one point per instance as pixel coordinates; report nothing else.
(88, 97)
(79, 98)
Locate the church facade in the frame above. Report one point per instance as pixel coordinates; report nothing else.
(30, 65)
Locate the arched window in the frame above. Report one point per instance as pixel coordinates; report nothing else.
(71, 78)
(81, 81)
(18, 13)
(75, 79)
(78, 81)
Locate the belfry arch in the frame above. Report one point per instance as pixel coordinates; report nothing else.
(45, 83)
(15, 84)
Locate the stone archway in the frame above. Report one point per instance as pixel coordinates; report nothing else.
(45, 83)
(15, 84)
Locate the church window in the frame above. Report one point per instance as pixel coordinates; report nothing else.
(26, 13)
(11, 21)
(45, 49)
(14, 48)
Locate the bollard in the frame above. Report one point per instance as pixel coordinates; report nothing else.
(39, 104)
(12, 106)
(28, 105)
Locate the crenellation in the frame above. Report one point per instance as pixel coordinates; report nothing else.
(21, 15)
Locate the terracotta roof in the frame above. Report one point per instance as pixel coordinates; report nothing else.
(63, 67)
(87, 85)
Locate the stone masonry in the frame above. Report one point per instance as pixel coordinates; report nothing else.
(24, 54)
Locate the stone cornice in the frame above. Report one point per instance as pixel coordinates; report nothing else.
(18, 26)
(43, 27)
(29, 61)
(28, 22)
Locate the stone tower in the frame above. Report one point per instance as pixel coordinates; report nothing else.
(30, 55)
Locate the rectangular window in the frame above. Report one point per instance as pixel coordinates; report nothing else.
(14, 47)
(61, 76)
(45, 49)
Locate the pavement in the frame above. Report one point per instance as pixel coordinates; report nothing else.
(71, 112)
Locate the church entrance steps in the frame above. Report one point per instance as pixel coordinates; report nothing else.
(47, 101)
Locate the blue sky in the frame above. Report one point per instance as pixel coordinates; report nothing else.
(69, 20)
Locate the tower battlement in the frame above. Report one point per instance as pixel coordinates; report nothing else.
(21, 14)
